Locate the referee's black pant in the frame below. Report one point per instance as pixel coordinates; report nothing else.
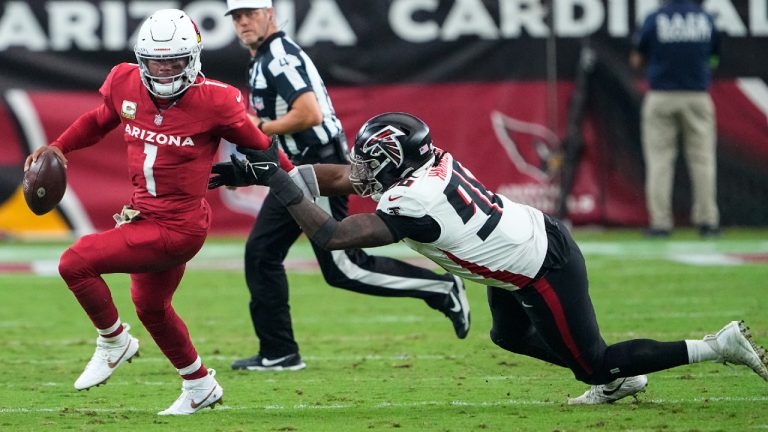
(553, 319)
(273, 234)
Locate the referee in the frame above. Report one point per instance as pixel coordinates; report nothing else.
(291, 102)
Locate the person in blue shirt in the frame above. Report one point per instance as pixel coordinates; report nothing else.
(678, 45)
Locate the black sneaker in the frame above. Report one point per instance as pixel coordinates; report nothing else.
(657, 233)
(457, 308)
(709, 231)
(291, 362)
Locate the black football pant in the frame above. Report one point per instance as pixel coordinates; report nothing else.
(553, 320)
(273, 234)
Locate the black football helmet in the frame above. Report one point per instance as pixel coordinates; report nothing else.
(388, 148)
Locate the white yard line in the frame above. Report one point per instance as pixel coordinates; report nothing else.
(42, 260)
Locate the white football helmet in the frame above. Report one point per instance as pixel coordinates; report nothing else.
(168, 34)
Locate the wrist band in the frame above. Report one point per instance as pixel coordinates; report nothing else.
(260, 126)
(284, 189)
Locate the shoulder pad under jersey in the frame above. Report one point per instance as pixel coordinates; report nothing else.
(413, 197)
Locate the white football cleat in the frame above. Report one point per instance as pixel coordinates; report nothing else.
(196, 395)
(613, 391)
(734, 344)
(108, 356)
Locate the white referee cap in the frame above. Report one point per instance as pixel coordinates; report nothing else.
(233, 5)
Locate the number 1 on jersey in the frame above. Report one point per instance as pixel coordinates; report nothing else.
(151, 151)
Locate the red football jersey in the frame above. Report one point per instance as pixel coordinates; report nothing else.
(170, 152)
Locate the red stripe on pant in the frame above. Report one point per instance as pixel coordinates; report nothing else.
(544, 289)
(550, 297)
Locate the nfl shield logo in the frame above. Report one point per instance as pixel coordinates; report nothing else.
(158, 119)
(258, 102)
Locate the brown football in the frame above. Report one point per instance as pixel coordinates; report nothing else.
(44, 183)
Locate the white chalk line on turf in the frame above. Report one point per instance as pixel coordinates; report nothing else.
(220, 358)
(382, 406)
(516, 379)
(42, 260)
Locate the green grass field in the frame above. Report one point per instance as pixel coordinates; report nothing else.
(378, 364)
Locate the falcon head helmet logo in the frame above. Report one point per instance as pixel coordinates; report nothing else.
(385, 142)
(388, 148)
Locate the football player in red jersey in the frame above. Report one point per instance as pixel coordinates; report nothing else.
(172, 119)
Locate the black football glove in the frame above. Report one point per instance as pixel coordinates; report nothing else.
(236, 173)
(264, 163)
(266, 166)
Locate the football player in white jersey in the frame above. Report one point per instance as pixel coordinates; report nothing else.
(535, 272)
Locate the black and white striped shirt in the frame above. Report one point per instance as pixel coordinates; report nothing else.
(278, 74)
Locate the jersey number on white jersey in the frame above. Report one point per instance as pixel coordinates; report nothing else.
(466, 195)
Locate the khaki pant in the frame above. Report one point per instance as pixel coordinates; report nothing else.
(692, 115)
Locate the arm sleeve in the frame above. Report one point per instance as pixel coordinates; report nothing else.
(423, 229)
(88, 129)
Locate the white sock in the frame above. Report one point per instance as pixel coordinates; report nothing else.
(111, 329)
(197, 364)
(699, 351)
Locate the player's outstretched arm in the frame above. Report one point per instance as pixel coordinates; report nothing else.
(330, 179)
(362, 230)
(333, 179)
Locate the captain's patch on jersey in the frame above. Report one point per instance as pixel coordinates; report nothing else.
(128, 110)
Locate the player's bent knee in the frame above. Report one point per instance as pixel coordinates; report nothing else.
(337, 280)
(505, 342)
(258, 255)
(150, 314)
(595, 376)
(73, 268)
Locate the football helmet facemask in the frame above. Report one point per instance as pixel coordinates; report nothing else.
(168, 34)
(389, 148)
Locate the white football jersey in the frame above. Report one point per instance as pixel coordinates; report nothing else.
(484, 237)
